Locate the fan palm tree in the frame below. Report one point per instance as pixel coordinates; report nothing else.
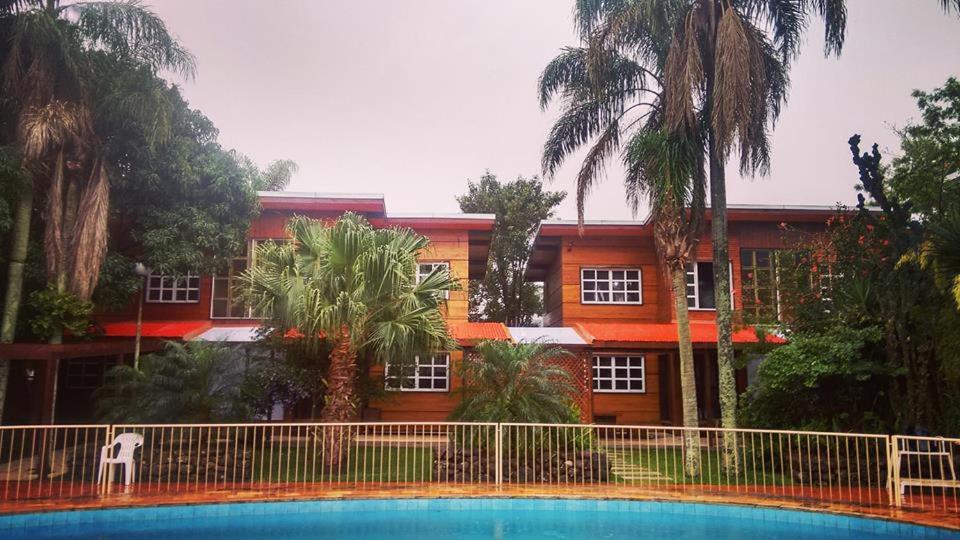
(49, 56)
(355, 287)
(507, 382)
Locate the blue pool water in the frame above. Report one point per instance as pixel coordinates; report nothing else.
(440, 519)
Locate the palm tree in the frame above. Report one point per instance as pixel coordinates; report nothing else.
(355, 287)
(723, 73)
(668, 169)
(49, 52)
(507, 382)
(610, 96)
(48, 62)
(200, 382)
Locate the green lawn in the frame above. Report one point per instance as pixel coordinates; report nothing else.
(668, 464)
(384, 464)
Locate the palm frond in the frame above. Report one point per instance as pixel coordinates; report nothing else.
(130, 30)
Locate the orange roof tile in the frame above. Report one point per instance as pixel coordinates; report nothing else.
(665, 333)
(471, 333)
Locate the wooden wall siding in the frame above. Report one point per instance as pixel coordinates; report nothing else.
(553, 294)
(419, 406)
(446, 245)
(452, 247)
(633, 408)
(627, 252)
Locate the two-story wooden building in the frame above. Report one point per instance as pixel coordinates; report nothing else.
(605, 298)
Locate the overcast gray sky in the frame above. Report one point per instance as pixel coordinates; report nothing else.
(412, 98)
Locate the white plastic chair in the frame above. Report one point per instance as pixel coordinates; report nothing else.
(128, 444)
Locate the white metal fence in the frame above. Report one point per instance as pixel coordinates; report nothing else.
(53, 462)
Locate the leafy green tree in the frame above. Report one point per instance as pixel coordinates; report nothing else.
(199, 383)
(276, 177)
(862, 298)
(930, 153)
(503, 295)
(48, 63)
(516, 382)
(355, 288)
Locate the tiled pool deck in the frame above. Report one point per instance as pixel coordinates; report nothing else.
(946, 516)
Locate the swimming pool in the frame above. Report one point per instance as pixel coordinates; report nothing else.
(438, 519)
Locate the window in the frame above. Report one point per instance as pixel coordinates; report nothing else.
(618, 373)
(700, 286)
(173, 289)
(424, 269)
(700, 289)
(226, 302)
(429, 374)
(758, 275)
(610, 286)
(85, 373)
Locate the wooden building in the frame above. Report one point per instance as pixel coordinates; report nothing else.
(605, 297)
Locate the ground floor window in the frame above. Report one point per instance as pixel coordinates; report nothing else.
(85, 373)
(424, 374)
(618, 373)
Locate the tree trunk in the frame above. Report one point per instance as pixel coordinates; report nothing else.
(18, 258)
(688, 381)
(341, 400)
(721, 287)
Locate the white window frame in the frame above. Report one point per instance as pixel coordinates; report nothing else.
(433, 266)
(416, 377)
(696, 286)
(176, 280)
(610, 281)
(596, 378)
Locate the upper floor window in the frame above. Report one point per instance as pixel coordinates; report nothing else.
(619, 373)
(610, 286)
(424, 374)
(424, 269)
(173, 289)
(758, 275)
(226, 301)
(700, 286)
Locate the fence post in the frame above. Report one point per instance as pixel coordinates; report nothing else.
(106, 479)
(499, 454)
(893, 471)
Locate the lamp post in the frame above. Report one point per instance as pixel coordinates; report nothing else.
(141, 270)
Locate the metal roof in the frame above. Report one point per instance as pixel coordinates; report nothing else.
(554, 335)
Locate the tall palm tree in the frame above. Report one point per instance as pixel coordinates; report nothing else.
(48, 62)
(668, 170)
(723, 73)
(507, 382)
(609, 96)
(355, 287)
(49, 52)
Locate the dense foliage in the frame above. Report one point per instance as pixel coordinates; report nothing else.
(874, 331)
(199, 383)
(516, 382)
(503, 295)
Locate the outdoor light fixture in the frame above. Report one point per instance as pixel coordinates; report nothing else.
(31, 374)
(141, 270)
